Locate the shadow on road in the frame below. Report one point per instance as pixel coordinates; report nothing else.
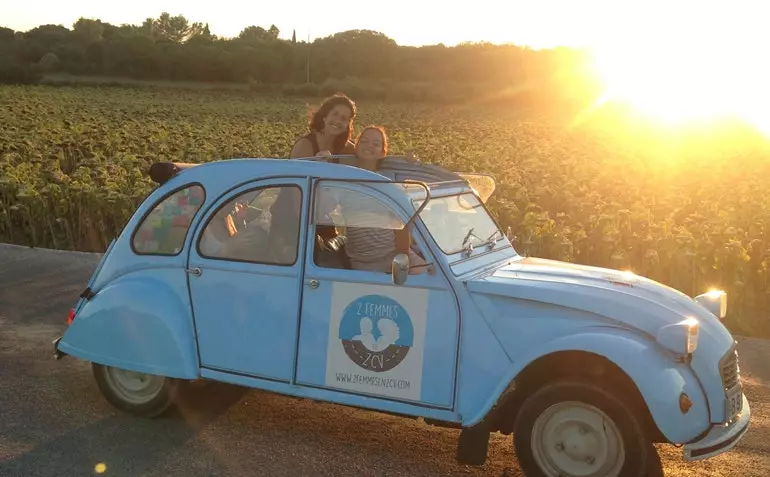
(123, 444)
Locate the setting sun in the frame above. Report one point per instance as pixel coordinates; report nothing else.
(697, 65)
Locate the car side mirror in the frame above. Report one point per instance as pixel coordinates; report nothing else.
(399, 268)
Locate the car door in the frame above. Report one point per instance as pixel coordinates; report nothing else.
(362, 334)
(244, 278)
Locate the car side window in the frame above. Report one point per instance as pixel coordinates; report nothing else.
(164, 229)
(365, 224)
(258, 226)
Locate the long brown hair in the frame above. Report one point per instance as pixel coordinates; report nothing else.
(317, 119)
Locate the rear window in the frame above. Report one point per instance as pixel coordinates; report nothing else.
(164, 229)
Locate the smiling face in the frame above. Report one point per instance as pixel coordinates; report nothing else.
(371, 145)
(336, 122)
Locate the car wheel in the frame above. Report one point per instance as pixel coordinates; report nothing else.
(139, 394)
(578, 428)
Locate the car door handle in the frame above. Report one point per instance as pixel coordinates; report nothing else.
(313, 283)
(193, 271)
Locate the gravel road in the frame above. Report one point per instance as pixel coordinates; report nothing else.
(54, 422)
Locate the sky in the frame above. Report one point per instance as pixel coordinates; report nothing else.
(536, 23)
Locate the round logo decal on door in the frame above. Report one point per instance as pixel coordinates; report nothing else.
(376, 332)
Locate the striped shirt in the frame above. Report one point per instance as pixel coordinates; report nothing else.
(369, 245)
(368, 226)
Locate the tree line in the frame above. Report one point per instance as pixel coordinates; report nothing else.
(365, 62)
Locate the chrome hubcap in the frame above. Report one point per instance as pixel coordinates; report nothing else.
(134, 387)
(577, 440)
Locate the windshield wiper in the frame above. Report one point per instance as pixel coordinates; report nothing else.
(469, 235)
(492, 239)
(467, 246)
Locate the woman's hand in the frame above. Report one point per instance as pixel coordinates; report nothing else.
(325, 153)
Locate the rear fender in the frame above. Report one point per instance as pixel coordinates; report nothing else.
(659, 379)
(140, 322)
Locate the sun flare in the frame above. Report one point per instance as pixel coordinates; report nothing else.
(691, 73)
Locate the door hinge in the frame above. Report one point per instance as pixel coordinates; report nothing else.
(87, 294)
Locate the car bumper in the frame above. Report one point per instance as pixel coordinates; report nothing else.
(57, 353)
(720, 438)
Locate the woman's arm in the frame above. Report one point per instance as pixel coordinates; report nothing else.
(349, 149)
(302, 148)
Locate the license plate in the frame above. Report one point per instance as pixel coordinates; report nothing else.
(734, 404)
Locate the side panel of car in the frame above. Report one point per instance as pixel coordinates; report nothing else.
(334, 352)
(139, 324)
(333, 396)
(362, 334)
(640, 306)
(246, 265)
(139, 316)
(531, 330)
(483, 361)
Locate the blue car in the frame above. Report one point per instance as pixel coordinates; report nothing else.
(254, 272)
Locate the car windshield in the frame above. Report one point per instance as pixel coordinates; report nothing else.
(458, 222)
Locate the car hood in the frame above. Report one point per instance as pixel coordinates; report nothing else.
(614, 295)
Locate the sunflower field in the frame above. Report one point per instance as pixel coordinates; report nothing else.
(687, 207)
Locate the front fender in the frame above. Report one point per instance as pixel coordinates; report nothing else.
(659, 379)
(140, 323)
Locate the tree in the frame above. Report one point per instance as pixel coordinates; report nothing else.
(359, 53)
(357, 61)
(176, 29)
(48, 36)
(204, 37)
(254, 34)
(6, 35)
(87, 31)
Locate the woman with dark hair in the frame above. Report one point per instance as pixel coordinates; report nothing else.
(330, 129)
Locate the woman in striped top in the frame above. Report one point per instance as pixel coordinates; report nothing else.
(372, 248)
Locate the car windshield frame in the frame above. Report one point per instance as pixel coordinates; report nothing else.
(458, 194)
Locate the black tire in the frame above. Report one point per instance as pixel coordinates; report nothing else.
(157, 402)
(640, 456)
